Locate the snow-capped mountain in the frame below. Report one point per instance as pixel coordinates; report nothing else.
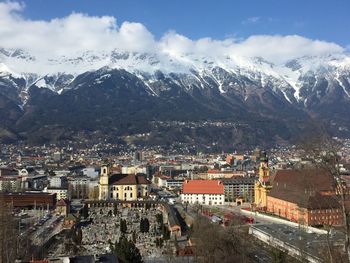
(195, 86)
(226, 72)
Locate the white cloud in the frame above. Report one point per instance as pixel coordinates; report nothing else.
(251, 20)
(76, 32)
(281, 48)
(80, 32)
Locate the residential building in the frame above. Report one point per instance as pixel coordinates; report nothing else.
(61, 193)
(9, 184)
(58, 181)
(239, 187)
(219, 174)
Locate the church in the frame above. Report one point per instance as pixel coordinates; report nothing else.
(125, 187)
(263, 184)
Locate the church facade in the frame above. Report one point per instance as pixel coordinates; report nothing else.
(263, 184)
(125, 187)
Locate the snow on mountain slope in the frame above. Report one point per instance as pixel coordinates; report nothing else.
(230, 72)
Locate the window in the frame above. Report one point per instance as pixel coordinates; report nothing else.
(130, 195)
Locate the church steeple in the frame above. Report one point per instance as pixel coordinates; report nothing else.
(264, 166)
(103, 183)
(262, 185)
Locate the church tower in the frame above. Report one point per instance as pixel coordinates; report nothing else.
(103, 183)
(264, 166)
(263, 185)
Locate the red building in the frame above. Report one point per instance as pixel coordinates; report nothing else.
(30, 199)
(305, 196)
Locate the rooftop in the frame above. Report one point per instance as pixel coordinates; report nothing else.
(203, 187)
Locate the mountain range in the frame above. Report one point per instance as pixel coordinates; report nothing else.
(158, 99)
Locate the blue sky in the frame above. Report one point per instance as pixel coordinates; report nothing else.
(277, 31)
(220, 19)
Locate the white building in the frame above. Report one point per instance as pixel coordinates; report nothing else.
(58, 181)
(91, 172)
(204, 192)
(61, 193)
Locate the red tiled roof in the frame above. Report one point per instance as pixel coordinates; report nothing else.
(203, 187)
(307, 188)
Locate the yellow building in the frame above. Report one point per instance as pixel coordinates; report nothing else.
(263, 185)
(126, 187)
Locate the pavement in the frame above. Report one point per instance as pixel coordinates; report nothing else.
(298, 238)
(46, 228)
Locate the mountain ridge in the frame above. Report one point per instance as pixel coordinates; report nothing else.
(169, 88)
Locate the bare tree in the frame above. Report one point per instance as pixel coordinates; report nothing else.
(324, 153)
(8, 234)
(214, 243)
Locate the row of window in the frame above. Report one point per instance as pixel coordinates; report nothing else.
(325, 211)
(210, 202)
(203, 197)
(128, 188)
(201, 194)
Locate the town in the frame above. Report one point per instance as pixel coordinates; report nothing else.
(68, 203)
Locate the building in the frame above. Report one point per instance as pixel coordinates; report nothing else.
(126, 187)
(167, 182)
(30, 199)
(205, 192)
(9, 180)
(305, 196)
(263, 184)
(10, 184)
(5, 172)
(61, 193)
(62, 207)
(37, 182)
(91, 172)
(239, 187)
(174, 183)
(218, 174)
(170, 218)
(56, 156)
(58, 181)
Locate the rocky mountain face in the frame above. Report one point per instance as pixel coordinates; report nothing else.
(189, 99)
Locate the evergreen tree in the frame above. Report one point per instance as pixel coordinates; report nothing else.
(134, 237)
(115, 211)
(126, 251)
(123, 226)
(146, 227)
(141, 226)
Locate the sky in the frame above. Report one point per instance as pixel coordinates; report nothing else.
(317, 19)
(273, 29)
